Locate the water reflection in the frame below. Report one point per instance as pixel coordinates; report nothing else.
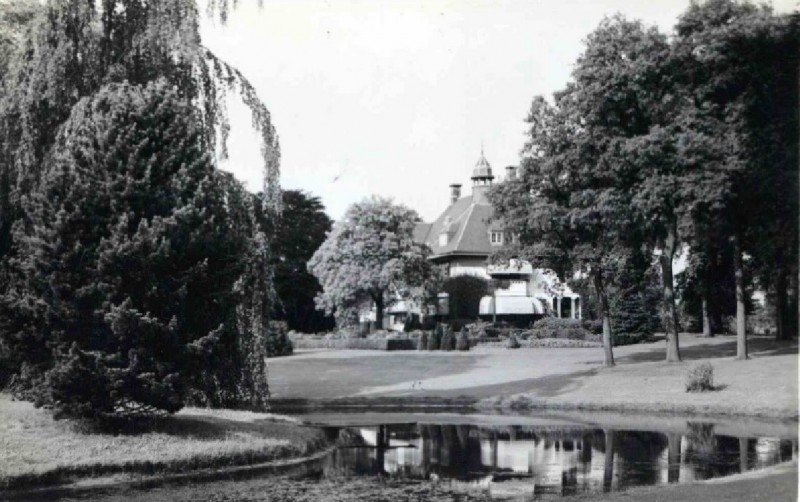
(544, 461)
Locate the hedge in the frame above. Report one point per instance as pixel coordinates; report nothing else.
(356, 344)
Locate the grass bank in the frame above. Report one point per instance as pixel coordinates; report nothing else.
(36, 450)
(773, 484)
(766, 386)
(290, 489)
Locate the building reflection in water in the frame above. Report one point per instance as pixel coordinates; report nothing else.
(551, 460)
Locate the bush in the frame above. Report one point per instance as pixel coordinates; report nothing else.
(700, 378)
(457, 324)
(593, 326)
(554, 327)
(278, 341)
(512, 343)
(463, 340)
(422, 341)
(464, 295)
(412, 324)
(448, 339)
(388, 344)
(435, 340)
(621, 339)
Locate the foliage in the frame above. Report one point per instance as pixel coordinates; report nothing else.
(554, 327)
(512, 342)
(464, 296)
(594, 326)
(57, 60)
(422, 341)
(435, 338)
(635, 302)
(370, 256)
(700, 378)
(278, 342)
(75, 47)
(412, 324)
(387, 344)
(448, 339)
(463, 342)
(299, 232)
(131, 265)
(738, 69)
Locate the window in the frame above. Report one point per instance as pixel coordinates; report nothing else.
(496, 238)
(443, 239)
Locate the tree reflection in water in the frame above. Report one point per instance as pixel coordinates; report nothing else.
(558, 460)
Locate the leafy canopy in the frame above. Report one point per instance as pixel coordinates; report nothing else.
(370, 255)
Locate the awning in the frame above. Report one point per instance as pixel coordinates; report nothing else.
(511, 305)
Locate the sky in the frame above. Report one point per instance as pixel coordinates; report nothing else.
(397, 98)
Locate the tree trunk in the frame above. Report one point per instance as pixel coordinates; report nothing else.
(673, 457)
(608, 461)
(670, 312)
(707, 332)
(378, 310)
(605, 315)
(780, 305)
(741, 314)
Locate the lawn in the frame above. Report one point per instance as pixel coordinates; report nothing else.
(35, 449)
(764, 386)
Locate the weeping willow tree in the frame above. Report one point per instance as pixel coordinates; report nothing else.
(68, 52)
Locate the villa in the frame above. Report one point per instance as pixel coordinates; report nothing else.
(464, 236)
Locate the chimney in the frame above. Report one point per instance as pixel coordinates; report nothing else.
(455, 192)
(511, 172)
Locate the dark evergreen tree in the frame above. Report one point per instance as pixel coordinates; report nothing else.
(300, 231)
(133, 257)
(464, 295)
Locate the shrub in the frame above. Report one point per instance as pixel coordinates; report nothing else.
(700, 378)
(448, 339)
(422, 341)
(278, 341)
(435, 340)
(554, 327)
(621, 339)
(388, 344)
(457, 324)
(412, 324)
(463, 340)
(512, 343)
(593, 325)
(464, 295)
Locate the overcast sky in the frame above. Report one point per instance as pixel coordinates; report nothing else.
(396, 98)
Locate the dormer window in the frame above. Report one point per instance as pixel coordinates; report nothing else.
(443, 239)
(496, 237)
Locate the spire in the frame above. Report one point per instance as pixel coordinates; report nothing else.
(482, 172)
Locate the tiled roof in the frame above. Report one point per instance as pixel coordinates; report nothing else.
(467, 225)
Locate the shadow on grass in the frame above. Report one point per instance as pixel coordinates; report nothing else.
(757, 346)
(204, 428)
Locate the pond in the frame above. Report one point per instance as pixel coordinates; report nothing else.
(391, 456)
(542, 459)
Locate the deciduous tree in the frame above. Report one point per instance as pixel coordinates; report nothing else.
(370, 256)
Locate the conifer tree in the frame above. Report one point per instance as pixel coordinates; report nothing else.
(132, 250)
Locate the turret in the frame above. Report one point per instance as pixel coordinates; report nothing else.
(481, 180)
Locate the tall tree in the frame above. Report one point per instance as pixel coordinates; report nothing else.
(128, 265)
(563, 208)
(300, 231)
(625, 98)
(370, 256)
(738, 70)
(74, 47)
